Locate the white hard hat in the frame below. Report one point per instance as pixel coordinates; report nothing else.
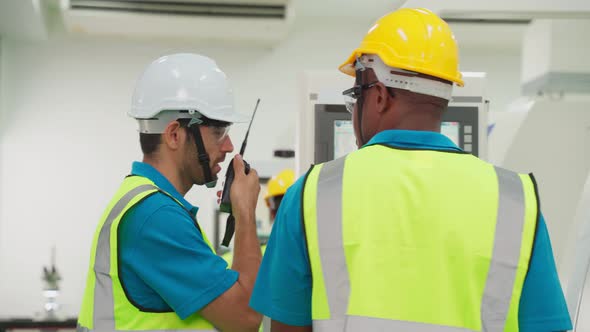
(177, 83)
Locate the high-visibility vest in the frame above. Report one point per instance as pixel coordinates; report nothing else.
(105, 306)
(417, 240)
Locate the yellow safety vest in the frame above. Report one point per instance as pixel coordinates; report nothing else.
(417, 240)
(105, 306)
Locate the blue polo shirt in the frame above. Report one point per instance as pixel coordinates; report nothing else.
(283, 287)
(165, 264)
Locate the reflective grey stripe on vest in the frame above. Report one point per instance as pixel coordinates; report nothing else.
(506, 253)
(501, 274)
(104, 312)
(329, 211)
(266, 323)
(359, 323)
(84, 329)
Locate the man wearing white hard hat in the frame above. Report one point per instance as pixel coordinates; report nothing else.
(151, 266)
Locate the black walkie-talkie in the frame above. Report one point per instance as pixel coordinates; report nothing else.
(225, 205)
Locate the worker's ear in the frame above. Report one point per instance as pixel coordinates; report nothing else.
(173, 135)
(383, 98)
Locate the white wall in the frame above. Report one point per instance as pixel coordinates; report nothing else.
(539, 147)
(503, 73)
(1, 132)
(67, 142)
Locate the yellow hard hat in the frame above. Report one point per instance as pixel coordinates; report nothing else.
(412, 39)
(279, 183)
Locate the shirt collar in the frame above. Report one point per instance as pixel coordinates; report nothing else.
(148, 171)
(425, 140)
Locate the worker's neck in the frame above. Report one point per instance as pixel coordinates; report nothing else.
(420, 121)
(170, 172)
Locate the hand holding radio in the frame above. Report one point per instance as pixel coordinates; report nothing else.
(240, 170)
(244, 190)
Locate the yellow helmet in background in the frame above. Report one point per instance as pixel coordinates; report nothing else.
(411, 39)
(278, 184)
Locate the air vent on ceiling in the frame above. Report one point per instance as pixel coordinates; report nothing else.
(507, 17)
(235, 8)
(485, 21)
(253, 21)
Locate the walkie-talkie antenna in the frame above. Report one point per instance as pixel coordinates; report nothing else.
(225, 205)
(243, 148)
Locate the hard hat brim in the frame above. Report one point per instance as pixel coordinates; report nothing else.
(348, 66)
(228, 116)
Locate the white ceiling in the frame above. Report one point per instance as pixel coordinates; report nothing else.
(22, 19)
(26, 18)
(345, 8)
(377, 8)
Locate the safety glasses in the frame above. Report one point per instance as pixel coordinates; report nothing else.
(219, 133)
(351, 95)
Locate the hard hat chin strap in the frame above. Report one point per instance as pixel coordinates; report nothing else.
(360, 68)
(204, 159)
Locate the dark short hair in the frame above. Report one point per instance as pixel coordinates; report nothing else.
(149, 143)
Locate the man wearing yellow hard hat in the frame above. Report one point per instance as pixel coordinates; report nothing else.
(409, 233)
(276, 188)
